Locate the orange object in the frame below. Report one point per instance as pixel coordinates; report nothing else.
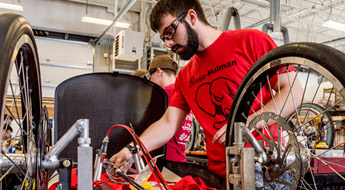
(196, 153)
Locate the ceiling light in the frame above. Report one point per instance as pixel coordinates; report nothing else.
(334, 25)
(104, 22)
(11, 6)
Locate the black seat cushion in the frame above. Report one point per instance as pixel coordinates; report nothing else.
(107, 99)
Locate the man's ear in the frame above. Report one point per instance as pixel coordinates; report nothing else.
(192, 16)
(159, 71)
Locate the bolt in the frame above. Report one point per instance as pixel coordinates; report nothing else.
(260, 160)
(66, 163)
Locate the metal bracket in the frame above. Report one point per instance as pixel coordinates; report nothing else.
(240, 163)
(51, 161)
(65, 174)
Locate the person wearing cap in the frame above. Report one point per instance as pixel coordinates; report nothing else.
(162, 71)
(208, 83)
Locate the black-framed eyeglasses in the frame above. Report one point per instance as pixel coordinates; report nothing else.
(169, 32)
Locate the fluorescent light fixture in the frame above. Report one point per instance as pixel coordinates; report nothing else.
(334, 25)
(11, 6)
(104, 22)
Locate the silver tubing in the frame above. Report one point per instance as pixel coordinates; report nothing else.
(84, 157)
(238, 141)
(84, 168)
(138, 162)
(254, 143)
(118, 16)
(275, 15)
(51, 160)
(6, 164)
(84, 139)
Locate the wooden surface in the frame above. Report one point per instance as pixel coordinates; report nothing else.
(49, 102)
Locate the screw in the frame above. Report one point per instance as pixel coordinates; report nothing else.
(66, 163)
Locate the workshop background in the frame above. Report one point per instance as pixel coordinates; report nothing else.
(63, 38)
(67, 34)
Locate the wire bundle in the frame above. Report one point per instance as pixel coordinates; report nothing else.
(153, 167)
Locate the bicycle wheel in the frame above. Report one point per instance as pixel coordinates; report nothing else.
(321, 131)
(20, 93)
(191, 140)
(296, 67)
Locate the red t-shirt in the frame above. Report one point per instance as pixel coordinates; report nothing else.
(176, 146)
(208, 83)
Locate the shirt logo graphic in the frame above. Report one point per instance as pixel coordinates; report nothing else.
(215, 99)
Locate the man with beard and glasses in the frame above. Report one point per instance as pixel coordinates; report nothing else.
(208, 83)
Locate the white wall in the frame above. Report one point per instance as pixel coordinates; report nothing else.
(65, 16)
(61, 60)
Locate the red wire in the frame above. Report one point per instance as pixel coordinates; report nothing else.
(141, 143)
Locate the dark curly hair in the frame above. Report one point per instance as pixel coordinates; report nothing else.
(175, 8)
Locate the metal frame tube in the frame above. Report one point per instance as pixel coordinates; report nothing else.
(275, 14)
(231, 12)
(254, 143)
(50, 160)
(238, 133)
(120, 14)
(266, 27)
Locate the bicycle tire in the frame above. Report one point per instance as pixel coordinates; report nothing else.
(317, 57)
(330, 129)
(18, 53)
(191, 140)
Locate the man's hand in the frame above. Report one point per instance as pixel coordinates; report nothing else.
(220, 135)
(121, 156)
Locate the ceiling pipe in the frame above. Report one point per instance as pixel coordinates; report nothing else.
(275, 15)
(261, 22)
(269, 27)
(331, 42)
(231, 12)
(121, 13)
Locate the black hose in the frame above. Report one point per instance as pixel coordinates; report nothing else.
(131, 181)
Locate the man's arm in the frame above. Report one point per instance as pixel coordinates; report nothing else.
(282, 92)
(158, 134)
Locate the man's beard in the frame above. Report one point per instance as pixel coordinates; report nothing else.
(191, 48)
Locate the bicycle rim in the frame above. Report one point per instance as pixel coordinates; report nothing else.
(310, 61)
(21, 99)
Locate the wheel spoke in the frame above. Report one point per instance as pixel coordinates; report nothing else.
(304, 182)
(15, 101)
(25, 178)
(7, 172)
(3, 153)
(318, 115)
(305, 89)
(272, 97)
(323, 161)
(312, 101)
(11, 114)
(329, 97)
